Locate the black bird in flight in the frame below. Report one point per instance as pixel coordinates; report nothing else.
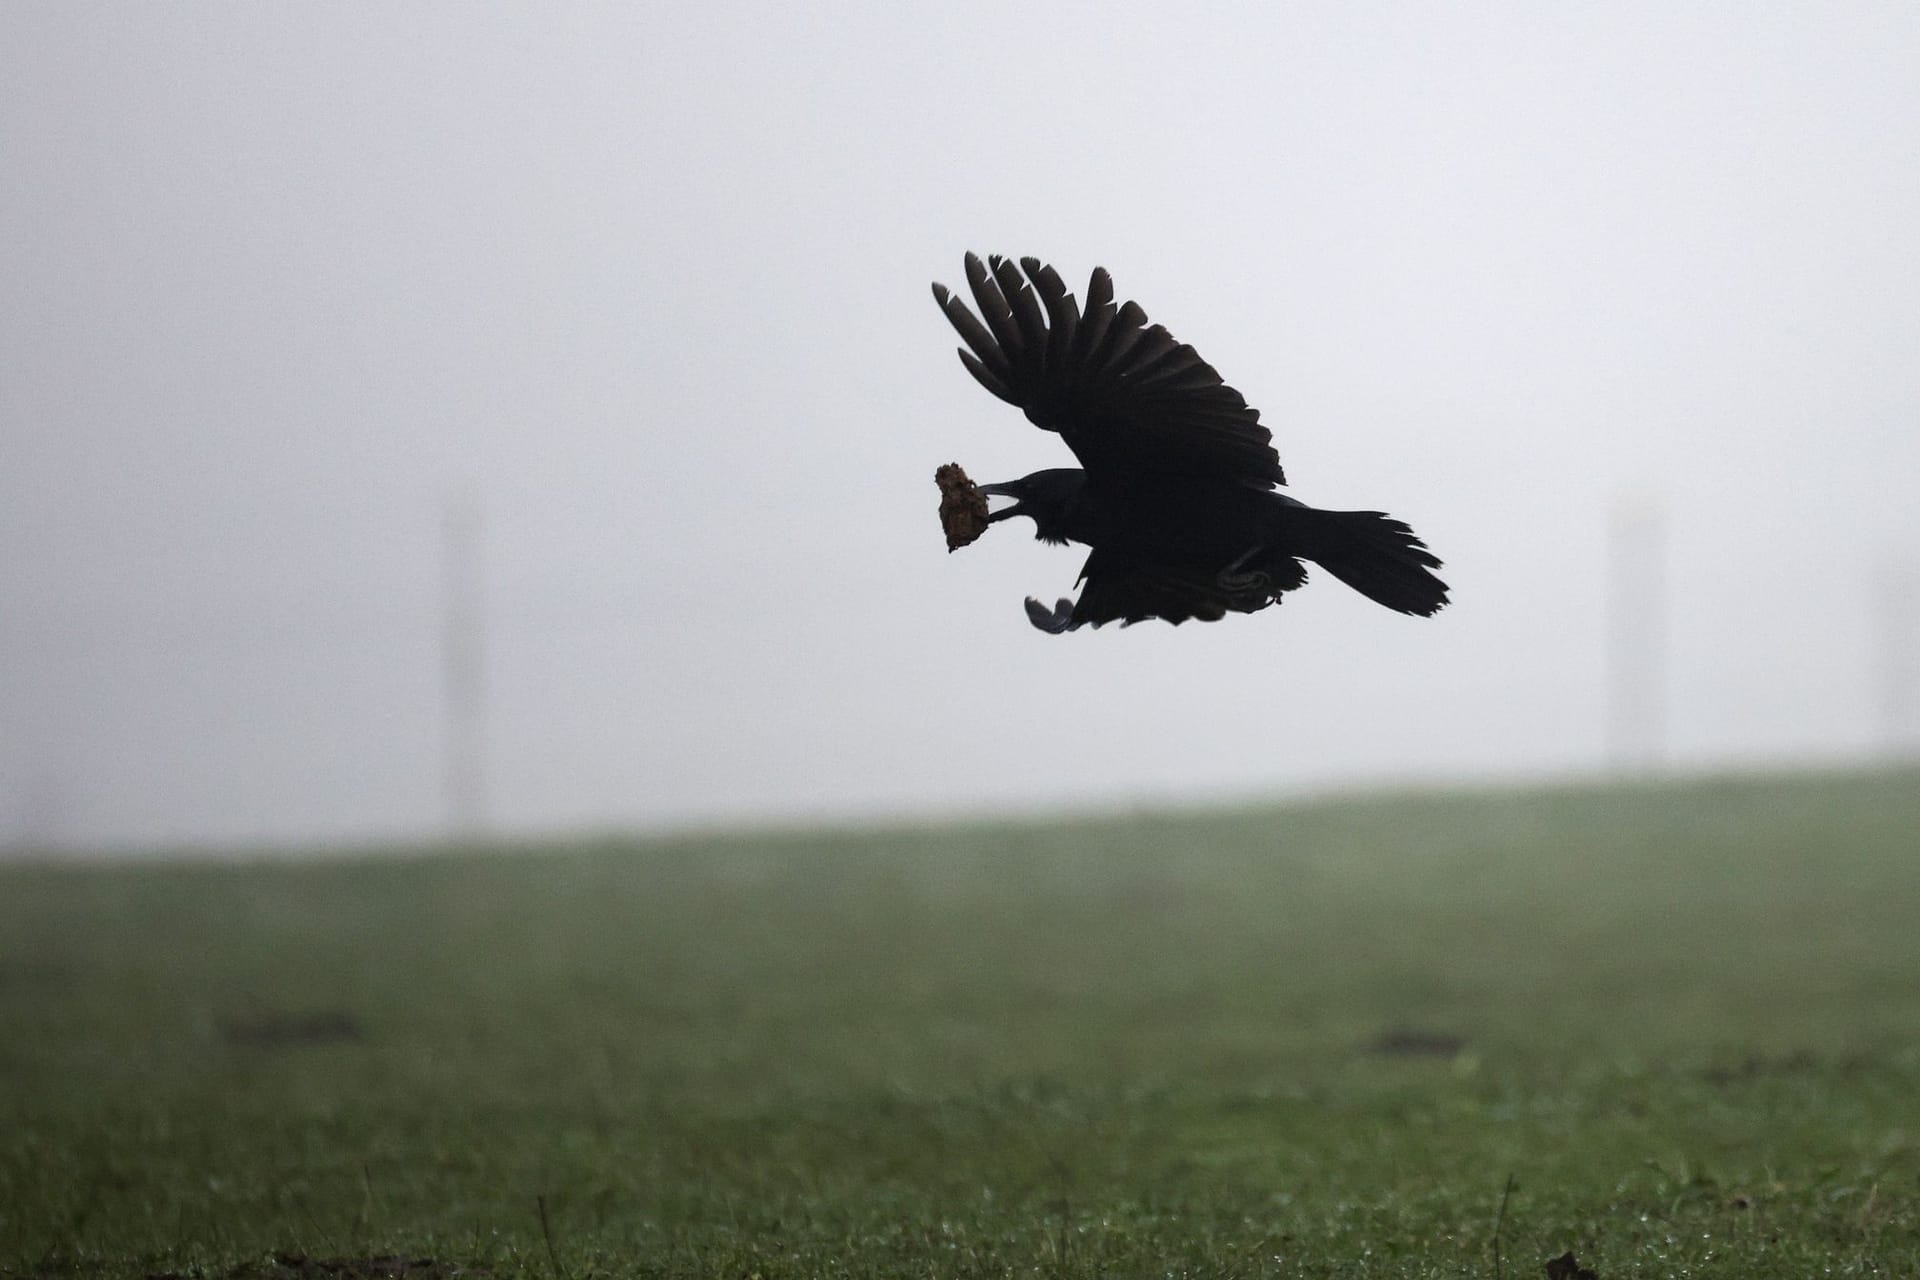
(1175, 491)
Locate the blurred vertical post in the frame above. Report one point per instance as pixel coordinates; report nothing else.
(44, 809)
(1636, 633)
(464, 655)
(1897, 614)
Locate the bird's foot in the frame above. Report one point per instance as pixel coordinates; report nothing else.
(1238, 580)
(1052, 621)
(1249, 582)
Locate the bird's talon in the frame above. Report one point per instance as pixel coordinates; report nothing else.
(1052, 621)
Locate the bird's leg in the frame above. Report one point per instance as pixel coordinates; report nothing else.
(1237, 565)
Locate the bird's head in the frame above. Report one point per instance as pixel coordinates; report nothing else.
(1046, 496)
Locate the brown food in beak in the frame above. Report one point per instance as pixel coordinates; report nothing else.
(963, 508)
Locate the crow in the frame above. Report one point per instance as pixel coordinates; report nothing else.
(1174, 494)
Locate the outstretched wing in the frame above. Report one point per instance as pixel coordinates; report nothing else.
(1120, 588)
(1128, 398)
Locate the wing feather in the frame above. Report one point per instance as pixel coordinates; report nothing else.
(1026, 310)
(1154, 345)
(971, 331)
(1129, 398)
(1094, 317)
(1063, 317)
(987, 378)
(1128, 327)
(993, 309)
(1177, 361)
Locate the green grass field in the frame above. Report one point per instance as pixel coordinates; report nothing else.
(1675, 1027)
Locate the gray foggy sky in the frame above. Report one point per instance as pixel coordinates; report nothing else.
(281, 281)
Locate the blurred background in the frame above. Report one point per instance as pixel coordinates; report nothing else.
(441, 419)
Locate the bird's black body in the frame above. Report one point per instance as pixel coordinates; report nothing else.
(1176, 491)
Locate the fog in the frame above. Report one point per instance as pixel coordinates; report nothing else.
(646, 288)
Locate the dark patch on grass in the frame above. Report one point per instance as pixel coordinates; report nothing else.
(292, 1030)
(1567, 1267)
(1801, 1062)
(1754, 1066)
(1409, 1042)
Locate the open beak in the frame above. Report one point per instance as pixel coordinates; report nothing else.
(1003, 490)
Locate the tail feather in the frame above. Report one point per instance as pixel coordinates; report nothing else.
(1376, 555)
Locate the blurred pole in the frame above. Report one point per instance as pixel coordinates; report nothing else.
(44, 809)
(1897, 615)
(1636, 634)
(464, 654)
